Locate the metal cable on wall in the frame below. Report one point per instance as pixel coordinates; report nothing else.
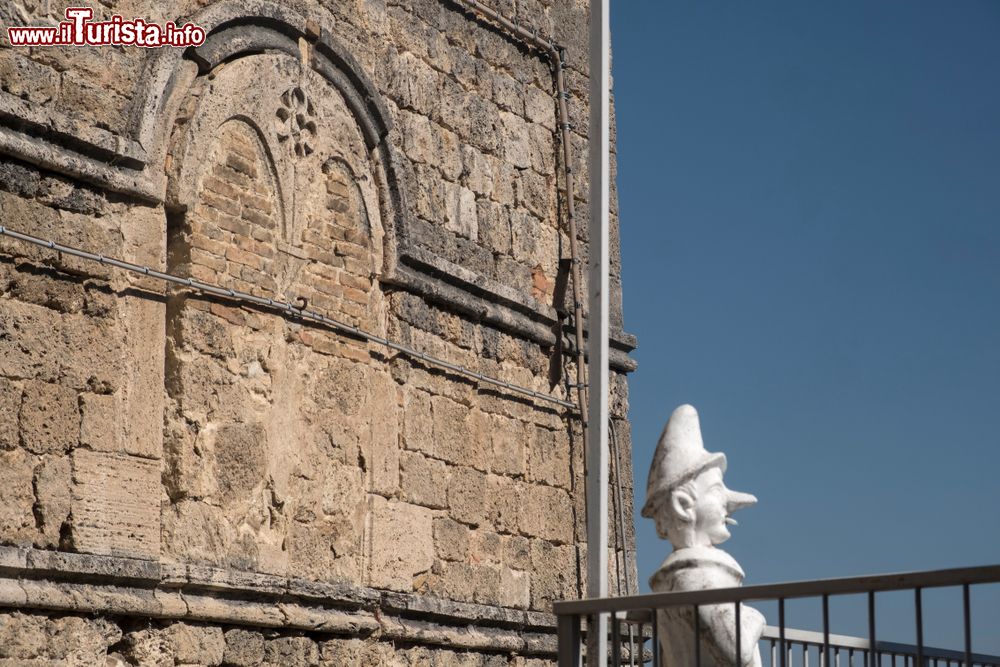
(285, 308)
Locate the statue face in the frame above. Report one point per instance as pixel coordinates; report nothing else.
(698, 512)
(711, 508)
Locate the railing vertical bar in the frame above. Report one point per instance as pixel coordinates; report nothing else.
(871, 629)
(631, 643)
(919, 609)
(656, 638)
(826, 631)
(569, 640)
(967, 620)
(805, 655)
(774, 655)
(781, 631)
(739, 651)
(697, 638)
(616, 640)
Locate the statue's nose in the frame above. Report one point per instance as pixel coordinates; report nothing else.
(736, 500)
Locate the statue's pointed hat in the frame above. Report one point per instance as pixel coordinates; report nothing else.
(680, 456)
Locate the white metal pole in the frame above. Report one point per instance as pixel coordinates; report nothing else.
(597, 321)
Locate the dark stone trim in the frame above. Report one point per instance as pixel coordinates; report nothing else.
(32, 579)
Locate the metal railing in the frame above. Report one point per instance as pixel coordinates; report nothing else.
(632, 622)
(849, 651)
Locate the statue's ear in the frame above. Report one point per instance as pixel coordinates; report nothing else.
(682, 504)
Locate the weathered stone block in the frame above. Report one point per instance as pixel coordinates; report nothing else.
(56, 291)
(553, 573)
(534, 194)
(52, 498)
(424, 481)
(148, 646)
(291, 652)
(449, 159)
(517, 552)
(419, 140)
(504, 503)
(486, 547)
(116, 504)
(244, 648)
(414, 85)
(467, 501)
(515, 589)
(477, 174)
(310, 551)
(548, 458)
(402, 543)
(93, 354)
(186, 461)
(539, 107)
(100, 425)
(240, 459)
(451, 539)
(460, 211)
(10, 407)
(27, 79)
(194, 531)
(358, 653)
(50, 418)
(17, 522)
(543, 150)
(517, 140)
(546, 512)
(508, 442)
(196, 644)
(471, 582)
(461, 435)
(508, 94)
(494, 226)
(384, 431)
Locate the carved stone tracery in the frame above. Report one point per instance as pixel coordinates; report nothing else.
(296, 121)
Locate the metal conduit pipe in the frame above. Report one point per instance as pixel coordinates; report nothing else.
(556, 57)
(624, 572)
(283, 307)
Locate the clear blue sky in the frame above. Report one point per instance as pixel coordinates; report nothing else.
(810, 201)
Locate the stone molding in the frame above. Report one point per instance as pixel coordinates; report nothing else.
(131, 166)
(54, 141)
(107, 585)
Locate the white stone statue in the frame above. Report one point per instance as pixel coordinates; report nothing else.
(691, 506)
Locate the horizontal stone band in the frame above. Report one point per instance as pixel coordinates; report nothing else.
(32, 579)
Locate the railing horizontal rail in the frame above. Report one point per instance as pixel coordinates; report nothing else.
(796, 589)
(793, 636)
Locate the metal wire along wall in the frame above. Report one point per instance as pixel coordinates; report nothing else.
(285, 308)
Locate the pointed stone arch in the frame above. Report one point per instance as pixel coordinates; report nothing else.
(237, 30)
(278, 180)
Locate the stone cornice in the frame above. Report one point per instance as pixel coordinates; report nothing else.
(32, 579)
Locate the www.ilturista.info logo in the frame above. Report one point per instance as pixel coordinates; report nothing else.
(79, 30)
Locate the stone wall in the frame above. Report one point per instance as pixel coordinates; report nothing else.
(275, 487)
(28, 639)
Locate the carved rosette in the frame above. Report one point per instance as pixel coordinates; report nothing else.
(295, 120)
